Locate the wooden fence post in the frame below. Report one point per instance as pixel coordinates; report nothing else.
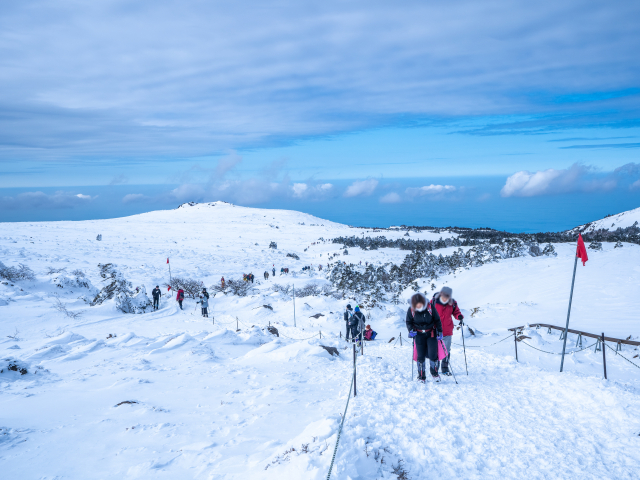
(604, 357)
(515, 342)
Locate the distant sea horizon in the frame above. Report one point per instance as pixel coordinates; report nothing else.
(477, 205)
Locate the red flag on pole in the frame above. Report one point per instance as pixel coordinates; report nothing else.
(167, 260)
(581, 252)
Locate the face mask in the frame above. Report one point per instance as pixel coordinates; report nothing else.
(421, 309)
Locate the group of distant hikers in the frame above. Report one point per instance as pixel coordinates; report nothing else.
(355, 321)
(429, 323)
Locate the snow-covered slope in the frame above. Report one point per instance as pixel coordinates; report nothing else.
(170, 394)
(621, 220)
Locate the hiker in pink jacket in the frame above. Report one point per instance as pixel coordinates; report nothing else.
(448, 310)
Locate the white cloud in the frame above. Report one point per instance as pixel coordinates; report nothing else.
(299, 189)
(635, 185)
(361, 188)
(390, 198)
(58, 200)
(325, 187)
(552, 182)
(134, 197)
(430, 190)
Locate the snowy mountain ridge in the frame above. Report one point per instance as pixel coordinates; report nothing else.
(626, 219)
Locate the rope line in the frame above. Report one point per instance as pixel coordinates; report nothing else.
(335, 449)
(622, 356)
(484, 346)
(556, 353)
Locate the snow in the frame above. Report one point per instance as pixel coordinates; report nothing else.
(222, 398)
(613, 222)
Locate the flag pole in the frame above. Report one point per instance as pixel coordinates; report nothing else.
(170, 281)
(573, 281)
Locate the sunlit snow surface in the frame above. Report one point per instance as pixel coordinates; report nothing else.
(210, 402)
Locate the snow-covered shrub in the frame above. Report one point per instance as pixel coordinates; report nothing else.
(190, 286)
(137, 303)
(550, 251)
(293, 255)
(233, 286)
(77, 282)
(309, 290)
(15, 274)
(62, 308)
(99, 237)
(618, 245)
(127, 301)
(284, 289)
(53, 271)
(273, 245)
(595, 246)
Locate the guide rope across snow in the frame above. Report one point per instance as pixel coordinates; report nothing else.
(618, 353)
(335, 449)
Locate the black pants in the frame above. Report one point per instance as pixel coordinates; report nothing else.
(180, 302)
(427, 346)
(354, 332)
(348, 331)
(205, 313)
(156, 303)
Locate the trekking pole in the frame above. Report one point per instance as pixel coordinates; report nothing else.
(452, 373)
(464, 348)
(413, 350)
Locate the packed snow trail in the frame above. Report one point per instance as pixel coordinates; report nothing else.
(502, 420)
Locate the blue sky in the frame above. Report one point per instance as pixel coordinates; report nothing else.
(523, 114)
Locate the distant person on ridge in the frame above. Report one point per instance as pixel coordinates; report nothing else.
(447, 310)
(180, 297)
(357, 323)
(423, 323)
(347, 318)
(204, 302)
(156, 297)
(273, 270)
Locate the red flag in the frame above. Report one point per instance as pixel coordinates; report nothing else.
(167, 260)
(581, 253)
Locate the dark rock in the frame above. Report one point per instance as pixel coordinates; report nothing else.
(333, 351)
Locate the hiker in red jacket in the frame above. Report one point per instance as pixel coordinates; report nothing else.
(180, 297)
(448, 310)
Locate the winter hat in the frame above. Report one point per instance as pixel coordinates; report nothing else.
(418, 298)
(368, 327)
(357, 309)
(446, 291)
(157, 286)
(348, 306)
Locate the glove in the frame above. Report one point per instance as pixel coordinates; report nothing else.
(460, 317)
(440, 337)
(412, 333)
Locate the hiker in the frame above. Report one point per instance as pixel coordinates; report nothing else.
(266, 275)
(424, 325)
(274, 270)
(281, 270)
(447, 310)
(222, 282)
(180, 297)
(156, 297)
(357, 323)
(251, 277)
(204, 302)
(369, 334)
(347, 317)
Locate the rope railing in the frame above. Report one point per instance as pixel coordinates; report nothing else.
(617, 353)
(335, 448)
(557, 353)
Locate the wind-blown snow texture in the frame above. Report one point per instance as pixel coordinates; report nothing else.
(170, 394)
